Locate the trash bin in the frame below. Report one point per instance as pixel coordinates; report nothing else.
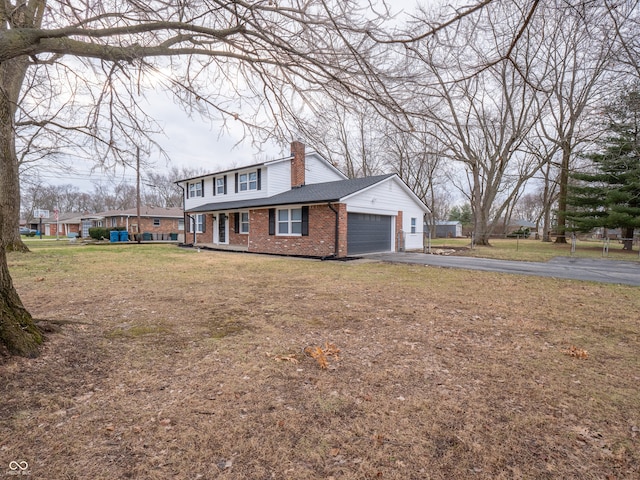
(114, 235)
(147, 237)
(173, 236)
(124, 236)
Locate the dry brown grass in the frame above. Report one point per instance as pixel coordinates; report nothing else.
(169, 363)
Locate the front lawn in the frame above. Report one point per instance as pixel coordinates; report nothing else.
(172, 363)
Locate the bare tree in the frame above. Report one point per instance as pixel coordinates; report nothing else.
(484, 119)
(348, 136)
(251, 63)
(418, 158)
(625, 19)
(578, 47)
(161, 190)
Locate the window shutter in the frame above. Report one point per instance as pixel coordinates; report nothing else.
(187, 189)
(259, 179)
(215, 186)
(225, 184)
(236, 183)
(202, 189)
(305, 221)
(204, 223)
(236, 222)
(272, 221)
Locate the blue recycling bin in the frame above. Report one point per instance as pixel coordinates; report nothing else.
(124, 236)
(114, 235)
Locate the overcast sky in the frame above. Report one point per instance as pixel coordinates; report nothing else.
(193, 142)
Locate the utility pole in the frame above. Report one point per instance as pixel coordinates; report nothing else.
(138, 191)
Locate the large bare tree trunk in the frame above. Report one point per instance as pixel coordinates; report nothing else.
(11, 76)
(18, 332)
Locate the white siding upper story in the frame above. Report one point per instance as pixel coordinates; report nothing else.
(318, 170)
(388, 198)
(278, 178)
(275, 178)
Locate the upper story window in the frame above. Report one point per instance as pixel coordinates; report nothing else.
(220, 185)
(248, 181)
(195, 190)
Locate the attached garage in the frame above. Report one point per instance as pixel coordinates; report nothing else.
(368, 233)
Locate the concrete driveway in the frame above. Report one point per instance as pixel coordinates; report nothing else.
(587, 269)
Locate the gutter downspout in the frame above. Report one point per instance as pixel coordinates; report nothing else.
(337, 233)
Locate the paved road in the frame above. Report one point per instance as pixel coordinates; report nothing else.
(593, 270)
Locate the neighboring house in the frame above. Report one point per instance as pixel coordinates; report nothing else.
(158, 221)
(447, 229)
(65, 224)
(302, 205)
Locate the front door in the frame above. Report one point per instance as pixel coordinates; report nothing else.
(222, 228)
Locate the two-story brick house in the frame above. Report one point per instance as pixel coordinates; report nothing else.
(302, 205)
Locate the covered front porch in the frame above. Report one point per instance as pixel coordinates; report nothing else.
(222, 230)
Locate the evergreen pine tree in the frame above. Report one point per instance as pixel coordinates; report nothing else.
(609, 195)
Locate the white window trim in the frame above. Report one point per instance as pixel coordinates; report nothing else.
(197, 222)
(220, 186)
(247, 182)
(242, 232)
(195, 190)
(156, 224)
(289, 222)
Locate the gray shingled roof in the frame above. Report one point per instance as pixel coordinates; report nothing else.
(313, 193)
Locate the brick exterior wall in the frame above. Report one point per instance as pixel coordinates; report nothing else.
(342, 234)
(237, 238)
(167, 225)
(297, 164)
(206, 236)
(53, 227)
(319, 243)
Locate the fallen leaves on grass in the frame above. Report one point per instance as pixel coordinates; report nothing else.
(576, 352)
(321, 353)
(284, 358)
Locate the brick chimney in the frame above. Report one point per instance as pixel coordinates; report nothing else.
(297, 164)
